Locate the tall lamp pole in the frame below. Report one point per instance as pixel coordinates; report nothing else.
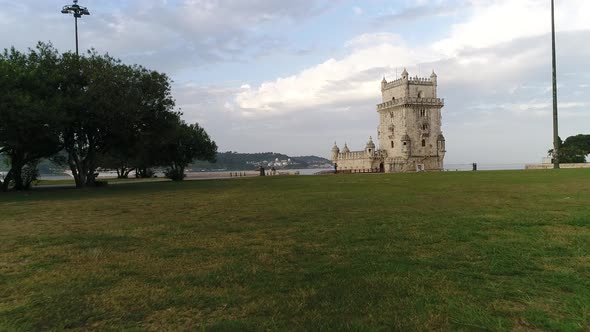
(78, 11)
(555, 131)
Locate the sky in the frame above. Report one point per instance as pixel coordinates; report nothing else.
(295, 76)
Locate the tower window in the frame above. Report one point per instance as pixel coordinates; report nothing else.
(423, 142)
(422, 113)
(392, 144)
(425, 126)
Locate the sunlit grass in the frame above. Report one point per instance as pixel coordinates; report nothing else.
(458, 250)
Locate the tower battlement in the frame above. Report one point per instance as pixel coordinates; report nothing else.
(409, 87)
(411, 80)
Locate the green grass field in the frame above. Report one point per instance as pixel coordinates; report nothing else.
(432, 251)
(109, 180)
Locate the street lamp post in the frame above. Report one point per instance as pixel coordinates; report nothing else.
(555, 128)
(78, 11)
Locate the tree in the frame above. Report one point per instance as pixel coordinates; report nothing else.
(580, 141)
(149, 109)
(93, 110)
(153, 150)
(99, 98)
(29, 118)
(574, 149)
(187, 143)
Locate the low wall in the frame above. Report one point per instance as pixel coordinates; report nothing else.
(550, 166)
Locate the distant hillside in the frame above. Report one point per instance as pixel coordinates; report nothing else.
(246, 161)
(231, 161)
(45, 166)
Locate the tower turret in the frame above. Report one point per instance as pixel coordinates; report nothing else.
(335, 152)
(406, 146)
(440, 144)
(345, 149)
(405, 74)
(406, 83)
(370, 147)
(383, 83)
(433, 79)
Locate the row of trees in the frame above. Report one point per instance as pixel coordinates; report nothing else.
(574, 149)
(90, 112)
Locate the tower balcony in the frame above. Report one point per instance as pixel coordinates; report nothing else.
(411, 101)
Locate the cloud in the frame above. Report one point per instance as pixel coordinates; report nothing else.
(169, 35)
(333, 81)
(493, 64)
(475, 49)
(418, 10)
(496, 22)
(508, 71)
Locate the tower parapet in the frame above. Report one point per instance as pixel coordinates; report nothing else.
(412, 80)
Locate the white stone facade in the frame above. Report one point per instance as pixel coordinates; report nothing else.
(409, 133)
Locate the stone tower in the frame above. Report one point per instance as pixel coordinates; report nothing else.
(409, 131)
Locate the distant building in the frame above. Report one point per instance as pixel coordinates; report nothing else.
(409, 133)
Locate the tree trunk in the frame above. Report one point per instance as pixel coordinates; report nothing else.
(90, 162)
(7, 179)
(76, 172)
(129, 170)
(123, 172)
(17, 162)
(18, 178)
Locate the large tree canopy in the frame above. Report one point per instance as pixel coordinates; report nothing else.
(110, 108)
(185, 144)
(574, 149)
(150, 113)
(95, 111)
(30, 119)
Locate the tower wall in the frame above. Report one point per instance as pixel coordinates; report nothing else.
(410, 110)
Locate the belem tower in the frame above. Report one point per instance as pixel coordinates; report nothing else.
(409, 132)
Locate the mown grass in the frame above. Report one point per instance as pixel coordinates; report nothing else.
(433, 251)
(62, 182)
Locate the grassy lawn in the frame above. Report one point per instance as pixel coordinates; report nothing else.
(457, 250)
(109, 180)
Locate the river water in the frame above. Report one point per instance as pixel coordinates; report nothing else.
(312, 171)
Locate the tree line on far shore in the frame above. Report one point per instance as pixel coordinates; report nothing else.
(89, 112)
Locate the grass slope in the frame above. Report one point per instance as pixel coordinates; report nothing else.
(458, 250)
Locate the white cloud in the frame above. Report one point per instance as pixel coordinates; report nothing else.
(334, 81)
(500, 21)
(489, 59)
(496, 43)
